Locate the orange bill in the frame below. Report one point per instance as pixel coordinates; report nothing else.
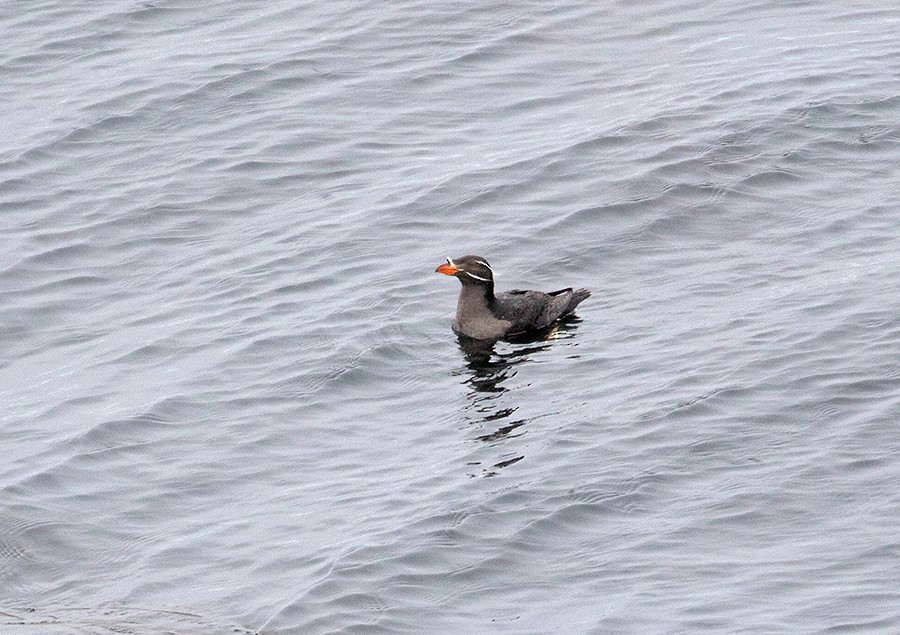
(447, 270)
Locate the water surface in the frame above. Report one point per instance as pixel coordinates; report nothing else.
(231, 398)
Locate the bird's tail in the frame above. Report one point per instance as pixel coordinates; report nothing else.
(577, 296)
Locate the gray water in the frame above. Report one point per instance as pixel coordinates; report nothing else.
(231, 399)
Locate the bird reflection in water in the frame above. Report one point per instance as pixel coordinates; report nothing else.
(490, 405)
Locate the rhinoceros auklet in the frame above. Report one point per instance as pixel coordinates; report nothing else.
(482, 315)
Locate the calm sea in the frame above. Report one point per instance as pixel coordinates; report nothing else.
(230, 399)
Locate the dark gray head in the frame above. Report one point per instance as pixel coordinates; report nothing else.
(471, 270)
